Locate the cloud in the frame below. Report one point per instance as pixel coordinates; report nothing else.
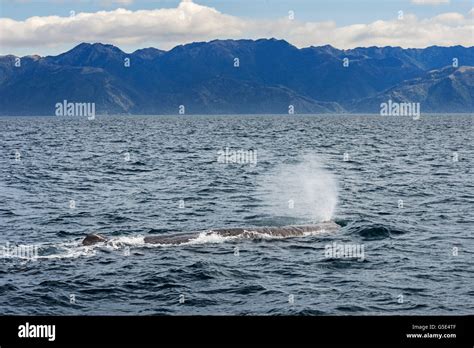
(166, 28)
(430, 2)
(116, 2)
(103, 2)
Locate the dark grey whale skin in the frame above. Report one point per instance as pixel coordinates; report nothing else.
(250, 233)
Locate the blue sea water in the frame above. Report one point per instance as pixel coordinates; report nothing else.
(401, 189)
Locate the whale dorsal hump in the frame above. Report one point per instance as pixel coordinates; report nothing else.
(92, 239)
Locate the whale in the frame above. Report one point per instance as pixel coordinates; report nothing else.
(244, 233)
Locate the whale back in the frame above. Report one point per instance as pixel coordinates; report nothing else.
(251, 233)
(92, 239)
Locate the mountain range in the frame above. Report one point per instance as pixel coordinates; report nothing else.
(263, 76)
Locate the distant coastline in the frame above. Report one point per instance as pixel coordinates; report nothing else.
(265, 76)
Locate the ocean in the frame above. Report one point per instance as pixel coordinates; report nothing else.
(402, 191)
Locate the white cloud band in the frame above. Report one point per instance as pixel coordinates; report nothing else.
(165, 28)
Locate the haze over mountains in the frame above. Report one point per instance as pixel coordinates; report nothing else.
(271, 75)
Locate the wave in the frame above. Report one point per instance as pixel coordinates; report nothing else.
(374, 231)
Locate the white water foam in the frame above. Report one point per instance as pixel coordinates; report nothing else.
(315, 233)
(74, 249)
(209, 237)
(125, 241)
(215, 238)
(63, 250)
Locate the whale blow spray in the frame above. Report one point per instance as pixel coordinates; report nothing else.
(303, 190)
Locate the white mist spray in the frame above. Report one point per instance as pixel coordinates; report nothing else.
(304, 190)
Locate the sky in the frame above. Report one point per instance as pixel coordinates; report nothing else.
(49, 27)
